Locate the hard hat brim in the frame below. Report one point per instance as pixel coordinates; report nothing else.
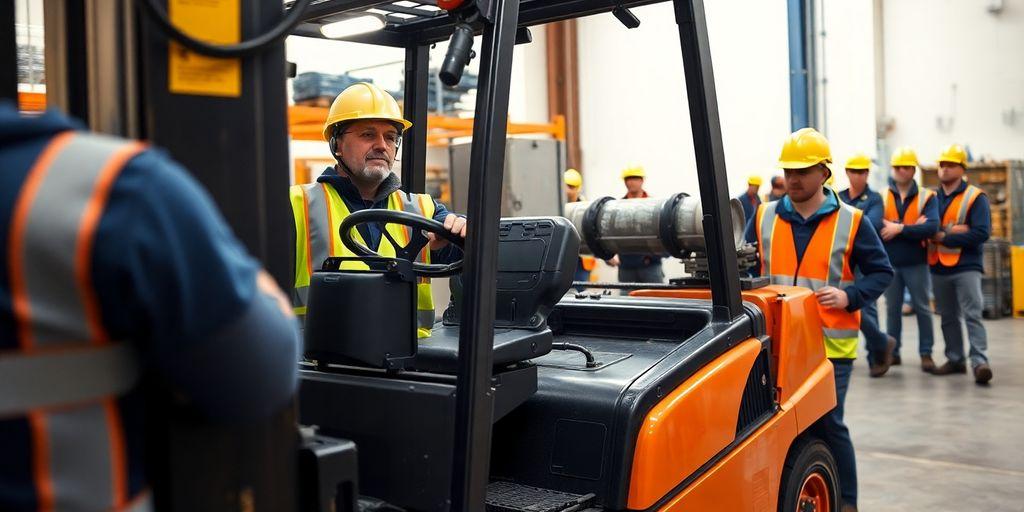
(329, 125)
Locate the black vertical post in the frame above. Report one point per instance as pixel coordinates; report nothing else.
(8, 53)
(710, 156)
(414, 147)
(474, 406)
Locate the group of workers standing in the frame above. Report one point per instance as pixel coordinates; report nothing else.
(852, 246)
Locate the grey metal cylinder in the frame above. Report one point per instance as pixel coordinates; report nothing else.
(630, 226)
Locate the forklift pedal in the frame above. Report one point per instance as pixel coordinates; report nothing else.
(512, 497)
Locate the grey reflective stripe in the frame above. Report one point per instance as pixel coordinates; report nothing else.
(947, 250)
(815, 284)
(840, 333)
(300, 296)
(781, 279)
(318, 224)
(72, 376)
(410, 203)
(841, 239)
(79, 451)
(767, 227)
(961, 215)
(78, 438)
(51, 237)
(425, 318)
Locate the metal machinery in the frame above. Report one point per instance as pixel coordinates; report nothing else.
(700, 397)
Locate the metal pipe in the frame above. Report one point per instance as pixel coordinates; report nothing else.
(414, 147)
(474, 397)
(641, 225)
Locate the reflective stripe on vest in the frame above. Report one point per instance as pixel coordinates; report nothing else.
(956, 213)
(319, 210)
(78, 448)
(826, 262)
(913, 211)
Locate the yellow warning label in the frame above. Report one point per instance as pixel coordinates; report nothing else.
(214, 21)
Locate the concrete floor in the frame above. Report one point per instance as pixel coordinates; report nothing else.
(941, 443)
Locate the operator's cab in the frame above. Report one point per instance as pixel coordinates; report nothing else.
(371, 380)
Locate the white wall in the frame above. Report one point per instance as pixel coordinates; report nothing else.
(633, 99)
(932, 46)
(846, 82)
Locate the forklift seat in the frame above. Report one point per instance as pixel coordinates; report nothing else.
(440, 352)
(536, 263)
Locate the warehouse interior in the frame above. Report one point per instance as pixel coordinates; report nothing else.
(593, 309)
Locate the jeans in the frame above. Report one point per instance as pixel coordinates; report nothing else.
(875, 339)
(956, 296)
(836, 435)
(649, 274)
(915, 279)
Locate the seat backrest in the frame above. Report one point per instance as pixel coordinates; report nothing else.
(536, 262)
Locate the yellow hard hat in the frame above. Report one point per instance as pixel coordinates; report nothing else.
(859, 161)
(634, 171)
(754, 179)
(804, 148)
(363, 101)
(572, 177)
(955, 153)
(904, 157)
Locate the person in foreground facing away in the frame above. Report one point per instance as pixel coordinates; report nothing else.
(115, 263)
(954, 256)
(812, 239)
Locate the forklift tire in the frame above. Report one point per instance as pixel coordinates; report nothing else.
(810, 480)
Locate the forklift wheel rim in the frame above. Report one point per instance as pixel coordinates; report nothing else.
(814, 492)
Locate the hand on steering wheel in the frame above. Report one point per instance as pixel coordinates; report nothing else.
(409, 251)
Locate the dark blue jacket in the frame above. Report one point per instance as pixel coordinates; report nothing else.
(979, 218)
(869, 202)
(868, 255)
(910, 246)
(171, 278)
(371, 231)
(749, 204)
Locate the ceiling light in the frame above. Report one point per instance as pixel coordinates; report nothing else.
(352, 26)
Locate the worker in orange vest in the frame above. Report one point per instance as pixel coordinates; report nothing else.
(955, 258)
(811, 238)
(573, 183)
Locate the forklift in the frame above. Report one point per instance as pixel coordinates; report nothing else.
(698, 395)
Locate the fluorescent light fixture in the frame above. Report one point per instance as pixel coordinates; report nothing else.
(352, 26)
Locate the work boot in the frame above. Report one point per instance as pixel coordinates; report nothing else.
(897, 360)
(949, 368)
(848, 508)
(982, 373)
(908, 310)
(883, 361)
(927, 364)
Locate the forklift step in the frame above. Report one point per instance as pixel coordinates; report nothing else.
(512, 497)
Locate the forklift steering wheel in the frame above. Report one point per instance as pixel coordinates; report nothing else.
(409, 251)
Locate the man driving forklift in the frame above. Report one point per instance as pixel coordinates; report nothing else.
(811, 238)
(364, 130)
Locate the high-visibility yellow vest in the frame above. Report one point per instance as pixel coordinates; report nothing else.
(318, 211)
(826, 262)
(956, 213)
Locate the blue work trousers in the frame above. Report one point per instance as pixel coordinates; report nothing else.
(916, 279)
(836, 435)
(874, 339)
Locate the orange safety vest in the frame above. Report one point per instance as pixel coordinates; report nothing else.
(826, 262)
(956, 213)
(913, 210)
(318, 211)
(67, 374)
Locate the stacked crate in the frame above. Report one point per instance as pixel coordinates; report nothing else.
(996, 289)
